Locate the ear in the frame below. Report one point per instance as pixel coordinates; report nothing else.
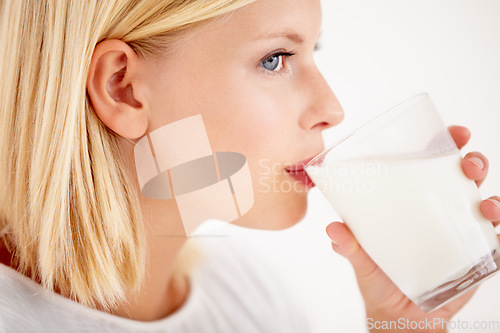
(113, 86)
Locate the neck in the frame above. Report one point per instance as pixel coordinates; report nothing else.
(165, 287)
(164, 290)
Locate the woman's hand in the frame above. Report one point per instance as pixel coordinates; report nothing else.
(383, 300)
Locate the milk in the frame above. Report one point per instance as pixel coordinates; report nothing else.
(418, 218)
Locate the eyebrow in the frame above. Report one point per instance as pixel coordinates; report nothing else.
(294, 37)
(297, 38)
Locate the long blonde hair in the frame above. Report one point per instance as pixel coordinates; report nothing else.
(67, 208)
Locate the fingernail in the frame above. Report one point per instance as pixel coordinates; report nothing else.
(477, 161)
(495, 202)
(335, 246)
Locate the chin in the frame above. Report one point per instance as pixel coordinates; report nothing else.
(278, 211)
(295, 212)
(284, 213)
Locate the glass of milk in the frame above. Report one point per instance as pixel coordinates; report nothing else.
(397, 182)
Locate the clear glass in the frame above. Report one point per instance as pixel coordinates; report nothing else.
(397, 182)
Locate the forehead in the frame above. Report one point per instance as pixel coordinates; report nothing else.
(269, 18)
(249, 31)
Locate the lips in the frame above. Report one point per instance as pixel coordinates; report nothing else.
(299, 174)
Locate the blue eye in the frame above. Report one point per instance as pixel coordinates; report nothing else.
(274, 63)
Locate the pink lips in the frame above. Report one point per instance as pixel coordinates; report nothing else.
(298, 173)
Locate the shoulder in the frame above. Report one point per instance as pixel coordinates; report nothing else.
(234, 289)
(245, 282)
(26, 307)
(20, 308)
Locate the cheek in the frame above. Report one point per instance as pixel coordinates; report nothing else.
(252, 122)
(242, 112)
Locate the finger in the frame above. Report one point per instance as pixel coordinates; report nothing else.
(344, 243)
(460, 135)
(475, 166)
(491, 209)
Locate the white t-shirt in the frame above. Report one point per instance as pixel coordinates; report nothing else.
(230, 292)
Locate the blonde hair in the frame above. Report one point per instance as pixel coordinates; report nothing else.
(68, 209)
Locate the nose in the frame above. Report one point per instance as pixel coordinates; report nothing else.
(323, 109)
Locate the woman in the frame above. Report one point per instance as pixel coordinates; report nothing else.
(82, 81)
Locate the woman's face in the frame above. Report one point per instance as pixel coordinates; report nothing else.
(252, 77)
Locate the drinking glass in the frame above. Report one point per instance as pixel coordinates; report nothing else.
(398, 184)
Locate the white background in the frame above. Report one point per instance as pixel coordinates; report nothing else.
(376, 53)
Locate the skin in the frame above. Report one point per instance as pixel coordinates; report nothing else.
(276, 117)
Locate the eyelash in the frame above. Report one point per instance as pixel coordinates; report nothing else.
(280, 53)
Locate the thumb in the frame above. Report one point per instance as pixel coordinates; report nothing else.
(345, 244)
(377, 289)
